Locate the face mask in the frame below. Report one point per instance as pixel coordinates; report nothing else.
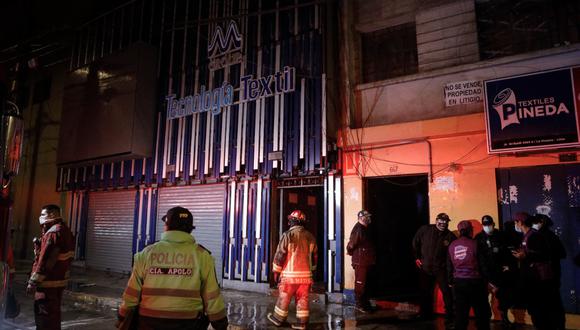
(518, 229)
(537, 226)
(488, 229)
(42, 219)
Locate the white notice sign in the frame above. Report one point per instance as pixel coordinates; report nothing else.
(463, 92)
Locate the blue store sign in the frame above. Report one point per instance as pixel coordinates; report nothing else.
(532, 112)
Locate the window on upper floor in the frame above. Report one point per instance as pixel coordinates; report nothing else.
(508, 27)
(389, 53)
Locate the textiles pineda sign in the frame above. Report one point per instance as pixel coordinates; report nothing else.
(533, 112)
(225, 49)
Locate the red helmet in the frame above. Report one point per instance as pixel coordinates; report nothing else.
(297, 215)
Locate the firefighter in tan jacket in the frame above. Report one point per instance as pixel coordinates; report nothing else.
(294, 262)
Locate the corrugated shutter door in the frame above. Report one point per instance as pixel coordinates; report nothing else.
(206, 203)
(110, 230)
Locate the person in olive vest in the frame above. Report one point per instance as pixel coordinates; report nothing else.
(362, 250)
(50, 271)
(294, 262)
(173, 284)
(467, 271)
(430, 245)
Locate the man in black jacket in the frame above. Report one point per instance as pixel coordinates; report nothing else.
(430, 245)
(361, 248)
(502, 265)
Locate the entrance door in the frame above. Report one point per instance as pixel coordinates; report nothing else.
(309, 200)
(555, 191)
(399, 206)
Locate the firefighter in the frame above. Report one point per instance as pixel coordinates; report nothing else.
(467, 273)
(50, 270)
(294, 262)
(430, 245)
(362, 250)
(173, 284)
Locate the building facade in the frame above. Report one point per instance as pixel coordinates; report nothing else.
(459, 107)
(243, 132)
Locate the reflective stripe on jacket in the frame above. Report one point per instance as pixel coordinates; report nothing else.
(52, 263)
(296, 256)
(174, 279)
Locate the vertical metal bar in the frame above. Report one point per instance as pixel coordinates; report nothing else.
(86, 58)
(302, 113)
(139, 218)
(323, 121)
(159, 117)
(148, 238)
(331, 202)
(275, 139)
(122, 23)
(104, 35)
(112, 31)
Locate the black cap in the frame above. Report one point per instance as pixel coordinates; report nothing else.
(487, 220)
(364, 213)
(178, 218)
(443, 216)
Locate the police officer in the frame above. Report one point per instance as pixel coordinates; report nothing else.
(173, 284)
(50, 271)
(467, 272)
(501, 265)
(362, 250)
(294, 262)
(536, 273)
(430, 245)
(543, 223)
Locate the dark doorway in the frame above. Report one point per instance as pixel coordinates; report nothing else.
(399, 205)
(311, 201)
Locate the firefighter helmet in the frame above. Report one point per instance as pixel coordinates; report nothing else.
(297, 215)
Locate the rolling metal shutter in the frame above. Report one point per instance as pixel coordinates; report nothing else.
(110, 230)
(206, 203)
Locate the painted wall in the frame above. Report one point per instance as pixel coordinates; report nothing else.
(463, 180)
(33, 187)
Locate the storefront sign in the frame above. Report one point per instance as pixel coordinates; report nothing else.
(533, 112)
(463, 92)
(225, 48)
(218, 98)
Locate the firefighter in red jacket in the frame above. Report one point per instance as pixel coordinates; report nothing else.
(294, 262)
(50, 270)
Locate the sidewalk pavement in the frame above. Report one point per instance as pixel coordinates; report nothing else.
(101, 291)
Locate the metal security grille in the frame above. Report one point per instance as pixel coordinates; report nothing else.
(110, 230)
(206, 203)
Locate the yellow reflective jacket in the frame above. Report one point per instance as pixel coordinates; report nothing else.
(174, 279)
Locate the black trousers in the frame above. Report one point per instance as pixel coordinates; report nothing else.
(427, 282)
(360, 284)
(544, 304)
(470, 293)
(47, 303)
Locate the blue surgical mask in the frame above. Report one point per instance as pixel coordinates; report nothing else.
(518, 229)
(537, 226)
